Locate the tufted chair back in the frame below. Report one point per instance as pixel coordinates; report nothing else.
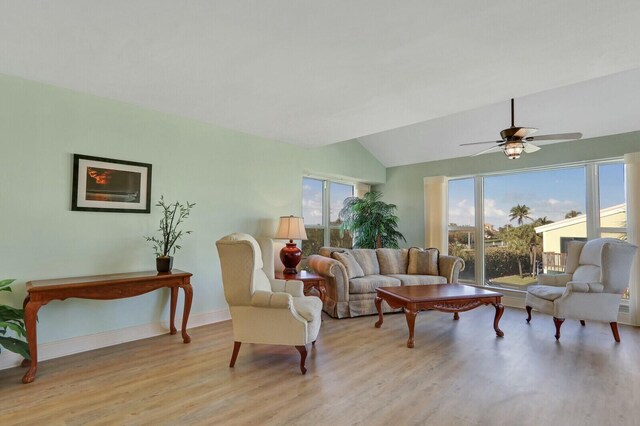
(241, 263)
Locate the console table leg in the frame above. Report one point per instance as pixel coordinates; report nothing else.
(30, 320)
(188, 297)
(410, 315)
(379, 308)
(496, 319)
(172, 314)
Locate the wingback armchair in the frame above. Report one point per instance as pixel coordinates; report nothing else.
(596, 274)
(263, 309)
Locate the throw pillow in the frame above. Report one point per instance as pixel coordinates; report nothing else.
(423, 261)
(351, 265)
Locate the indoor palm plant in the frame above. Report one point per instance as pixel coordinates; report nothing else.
(172, 217)
(12, 319)
(371, 221)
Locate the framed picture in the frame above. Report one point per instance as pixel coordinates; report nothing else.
(108, 185)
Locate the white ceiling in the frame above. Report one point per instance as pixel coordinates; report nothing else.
(315, 73)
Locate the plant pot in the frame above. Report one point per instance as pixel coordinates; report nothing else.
(164, 263)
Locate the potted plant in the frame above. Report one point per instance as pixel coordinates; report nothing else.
(173, 215)
(371, 221)
(12, 319)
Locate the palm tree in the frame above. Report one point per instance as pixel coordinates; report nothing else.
(372, 222)
(542, 221)
(520, 212)
(571, 214)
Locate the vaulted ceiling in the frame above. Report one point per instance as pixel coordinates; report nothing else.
(410, 79)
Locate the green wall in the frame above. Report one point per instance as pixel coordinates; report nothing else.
(239, 182)
(404, 186)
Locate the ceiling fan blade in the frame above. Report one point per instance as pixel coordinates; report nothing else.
(529, 148)
(523, 132)
(479, 143)
(484, 151)
(556, 137)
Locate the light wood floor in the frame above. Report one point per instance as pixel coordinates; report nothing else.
(459, 373)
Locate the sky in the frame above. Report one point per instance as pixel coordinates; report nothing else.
(312, 200)
(550, 193)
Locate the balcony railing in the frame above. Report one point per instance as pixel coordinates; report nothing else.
(553, 262)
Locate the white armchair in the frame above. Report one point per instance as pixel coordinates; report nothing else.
(596, 275)
(263, 309)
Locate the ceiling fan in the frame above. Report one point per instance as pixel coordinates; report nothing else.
(516, 140)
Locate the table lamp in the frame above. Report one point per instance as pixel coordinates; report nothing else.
(291, 228)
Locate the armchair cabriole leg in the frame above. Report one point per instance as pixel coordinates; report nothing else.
(614, 329)
(234, 355)
(558, 322)
(582, 323)
(528, 314)
(303, 357)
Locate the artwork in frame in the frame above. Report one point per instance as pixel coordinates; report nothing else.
(108, 185)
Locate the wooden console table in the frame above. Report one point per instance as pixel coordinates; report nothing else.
(102, 287)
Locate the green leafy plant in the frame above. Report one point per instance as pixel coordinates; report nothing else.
(173, 215)
(371, 221)
(12, 319)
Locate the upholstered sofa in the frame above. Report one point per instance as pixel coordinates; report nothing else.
(351, 288)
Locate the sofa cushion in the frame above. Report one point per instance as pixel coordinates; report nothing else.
(369, 283)
(406, 279)
(368, 260)
(350, 264)
(393, 261)
(423, 261)
(546, 292)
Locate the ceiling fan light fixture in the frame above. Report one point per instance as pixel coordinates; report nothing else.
(513, 150)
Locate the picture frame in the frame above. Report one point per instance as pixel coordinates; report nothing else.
(108, 185)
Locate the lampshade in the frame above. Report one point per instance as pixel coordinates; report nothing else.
(513, 150)
(291, 228)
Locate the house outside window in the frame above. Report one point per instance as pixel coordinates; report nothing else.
(322, 201)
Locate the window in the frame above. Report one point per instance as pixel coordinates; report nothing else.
(462, 229)
(612, 203)
(531, 214)
(322, 201)
(527, 219)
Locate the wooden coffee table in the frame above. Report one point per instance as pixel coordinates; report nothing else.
(441, 297)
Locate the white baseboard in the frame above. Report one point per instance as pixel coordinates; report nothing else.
(89, 342)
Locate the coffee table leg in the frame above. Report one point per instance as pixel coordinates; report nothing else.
(456, 317)
(411, 321)
(496, 319)
(379, 308)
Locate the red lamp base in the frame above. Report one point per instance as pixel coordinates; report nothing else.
(290, 255)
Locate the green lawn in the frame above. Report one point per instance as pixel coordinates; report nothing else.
(515, 280)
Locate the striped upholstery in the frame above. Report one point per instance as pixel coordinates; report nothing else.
(368, 260)
(423, 261)
(351, 265)
(419, 279)
(369, 283)
(393, 261)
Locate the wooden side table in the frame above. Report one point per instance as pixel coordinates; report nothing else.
(313, 284)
